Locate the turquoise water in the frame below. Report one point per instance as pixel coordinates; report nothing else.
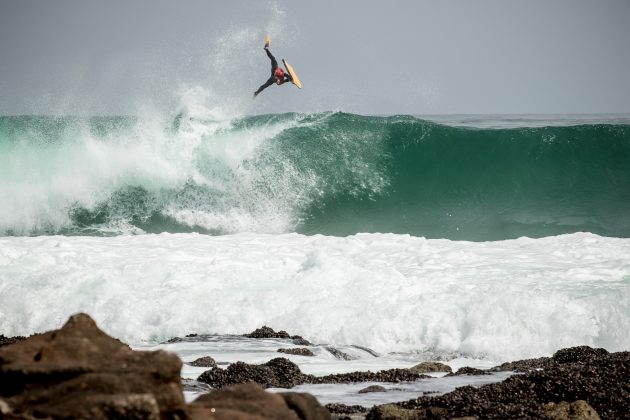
(328, 173)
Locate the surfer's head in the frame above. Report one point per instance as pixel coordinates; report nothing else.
(279, 73)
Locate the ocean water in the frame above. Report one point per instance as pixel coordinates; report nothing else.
(458, 178)
(226, 349)
(486, 238)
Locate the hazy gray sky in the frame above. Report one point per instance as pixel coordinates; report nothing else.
(369, 57)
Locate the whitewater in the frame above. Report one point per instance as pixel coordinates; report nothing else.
(391, 293)
(491, 240)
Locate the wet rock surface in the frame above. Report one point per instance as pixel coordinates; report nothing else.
(340, 409)
(297, 352)
(426, 367)
(372, 388)
(522, 366)
(367, 350)
(583, 354)
(277, 373)
(389, 375)
(205, 361)
(267, 332)
(466, 370)
(283, 373)
(594, 376)
(339, 354)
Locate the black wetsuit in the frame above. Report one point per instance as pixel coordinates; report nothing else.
(272, 79)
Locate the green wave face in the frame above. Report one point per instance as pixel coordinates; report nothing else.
(487, 184)
(329, 173)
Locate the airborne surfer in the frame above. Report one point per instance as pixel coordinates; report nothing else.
(278, 76)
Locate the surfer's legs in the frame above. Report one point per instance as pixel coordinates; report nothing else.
(274, 63)
(268, 83)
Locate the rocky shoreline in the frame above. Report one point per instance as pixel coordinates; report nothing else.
(79, 371)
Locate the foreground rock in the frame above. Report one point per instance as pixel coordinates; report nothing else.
(580, 379)
(250, 402)
(283, 373)
(79, 371)
(5, 341)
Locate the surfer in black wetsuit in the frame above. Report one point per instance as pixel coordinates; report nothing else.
(278, 76)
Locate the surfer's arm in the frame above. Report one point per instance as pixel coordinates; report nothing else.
(268, 83)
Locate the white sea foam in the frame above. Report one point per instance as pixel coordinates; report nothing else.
(501, 300)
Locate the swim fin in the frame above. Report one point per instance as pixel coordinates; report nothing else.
(267, 42)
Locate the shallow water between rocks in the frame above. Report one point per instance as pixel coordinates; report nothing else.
(227, 349)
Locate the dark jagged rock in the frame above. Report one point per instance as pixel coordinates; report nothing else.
(336, 408)
(466, 370)
(250, 402)
(594, 376)
(339, 354)
(79, 371)
(426, 367)
(287, 373)
(205, 361)
(260, 333)
(282, 373)
(267, 332)
(367, 350)
(297, 352)
(524, 365)
(278, 372)
(389, 375)
(191, 338)
(372, 388)
(5, 341)
(578, 354)
(573, 354)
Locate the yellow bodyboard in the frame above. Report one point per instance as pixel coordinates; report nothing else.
(296, 80)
